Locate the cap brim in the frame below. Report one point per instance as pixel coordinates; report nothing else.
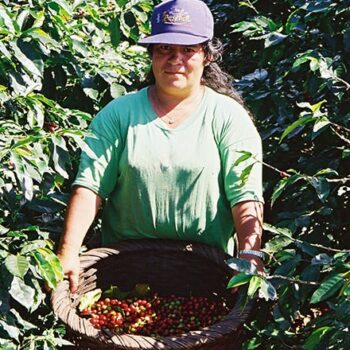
(173, 39)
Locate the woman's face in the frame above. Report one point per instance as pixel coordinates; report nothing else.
(178, 69)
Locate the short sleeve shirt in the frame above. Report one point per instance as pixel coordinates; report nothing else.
(169, 183)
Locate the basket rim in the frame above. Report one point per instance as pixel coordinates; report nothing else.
(231, 322)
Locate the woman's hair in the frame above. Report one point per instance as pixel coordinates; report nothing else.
(213, 76)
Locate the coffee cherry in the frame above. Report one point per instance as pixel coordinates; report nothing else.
(155, 315)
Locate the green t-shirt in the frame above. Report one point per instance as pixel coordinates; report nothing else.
(171, 183)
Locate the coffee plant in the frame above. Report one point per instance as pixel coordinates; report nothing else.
(63, 60)
(60, 62)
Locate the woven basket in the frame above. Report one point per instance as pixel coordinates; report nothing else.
(169, 267)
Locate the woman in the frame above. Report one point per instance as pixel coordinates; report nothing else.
(165, 155)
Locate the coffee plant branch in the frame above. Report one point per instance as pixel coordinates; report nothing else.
(340, 136)
(290, 279)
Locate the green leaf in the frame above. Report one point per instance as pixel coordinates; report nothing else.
(114, 29)
(267, 290)
(81, 143)
(274, 39)
(89, 298)
(239, 280)
(7, 19)
(4, 51)
(243, 26)
(328, 287)
(316, 337)
(321, 259)
(320, 126)
(22, 293)
(49, 266)
(345, 153)
(28, 57)
(32, 245)
(300, 122)
(254, 284)
(326, 171)
(25, 324)
(65, 9)
(321, 186)
(12, 331)
(115, 292)
(282, 185)
(241, 265)
(304, 57)
(60, 157)
(17, 265)
(117, 90)
(276, 244)
(277, 230)
(7, 344)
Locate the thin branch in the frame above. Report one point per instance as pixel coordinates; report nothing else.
(294, 280)
(340, 126)
(328, 248)
(250, 5)
(285, 174)
(343, 180)
(341, 136)
(344, 82)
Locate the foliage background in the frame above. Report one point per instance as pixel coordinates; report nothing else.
(61, 61)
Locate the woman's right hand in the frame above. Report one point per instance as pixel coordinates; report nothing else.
(71, 267)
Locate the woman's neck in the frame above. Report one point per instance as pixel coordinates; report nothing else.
(174, 109)
(170, 100)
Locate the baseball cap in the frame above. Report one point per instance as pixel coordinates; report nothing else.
(180, 22)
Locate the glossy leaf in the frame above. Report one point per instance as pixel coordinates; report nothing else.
(316, 337)
(328, 288)
(49, 266)
(238, 280)
(241, 265)
(267, 290)
(22, 293)
(254, 284)
(298, 123)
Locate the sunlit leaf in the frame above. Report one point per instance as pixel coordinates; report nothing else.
(22, 293)
(89, 298)
(238, 280)
(267, 290)
(241, 265)
(298, 123)
(254, 284)
(282, 185)
(17, 265)
(321, 259)
(49, 266)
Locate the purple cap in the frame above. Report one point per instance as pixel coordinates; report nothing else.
(180, 22)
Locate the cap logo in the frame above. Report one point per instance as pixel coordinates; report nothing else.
(176, 16)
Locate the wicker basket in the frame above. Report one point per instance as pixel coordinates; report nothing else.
(169, 267)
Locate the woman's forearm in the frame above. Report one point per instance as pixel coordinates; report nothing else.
(248, 220)
(82, 209)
